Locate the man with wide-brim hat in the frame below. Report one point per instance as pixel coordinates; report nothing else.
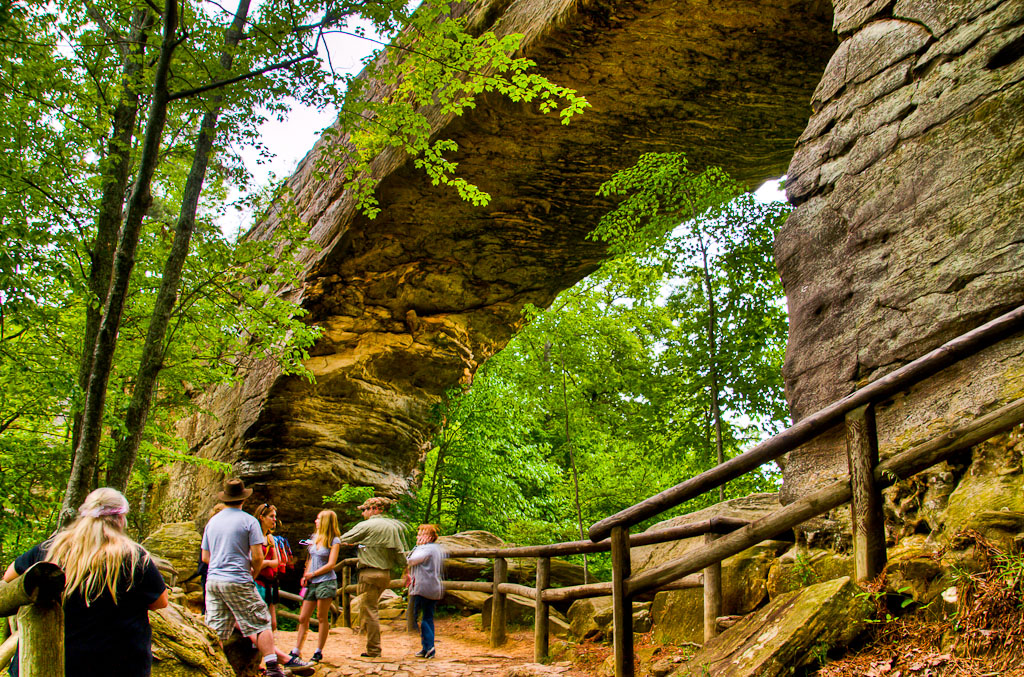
(233, 549)
(234, 493)
(382, 548)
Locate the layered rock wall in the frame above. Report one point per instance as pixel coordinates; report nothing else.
(909, 224)
(412, 302)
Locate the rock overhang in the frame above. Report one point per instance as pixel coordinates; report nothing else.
(412, 302)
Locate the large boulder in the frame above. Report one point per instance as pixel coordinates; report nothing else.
(589, 617)
(592, 618)
(184, 646)
(178, 543)
(750, 508)
(989, 498)
(466, 601)
(519, 611)
(678, 616)
(784, 635)
(469, 568)
(800, 567)
(389, 601)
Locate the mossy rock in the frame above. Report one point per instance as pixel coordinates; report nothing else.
(916, 569)
(184, 646)
(784, 635)
(801, 567)
(678, 616)
(519, 611)
(178, 543)
(583, 615)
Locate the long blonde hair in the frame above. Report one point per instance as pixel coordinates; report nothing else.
(327, 530)
(93, 549)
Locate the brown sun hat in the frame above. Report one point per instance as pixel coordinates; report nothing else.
(376, 502)
(234, 491)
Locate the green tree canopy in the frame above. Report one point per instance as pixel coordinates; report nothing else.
(620, 377)
(121, 126)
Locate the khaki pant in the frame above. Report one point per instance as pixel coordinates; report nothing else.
(372, 584)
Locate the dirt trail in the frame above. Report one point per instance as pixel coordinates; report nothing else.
(462, 651)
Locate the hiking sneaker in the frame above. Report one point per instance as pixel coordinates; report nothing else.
(420, 654)
(297, 666)
(429, 653)
(274, 670)
(317, 657)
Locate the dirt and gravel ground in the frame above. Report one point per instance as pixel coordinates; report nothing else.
(462, 651)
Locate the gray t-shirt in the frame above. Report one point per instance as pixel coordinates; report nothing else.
(425, 563)
(318, 556)
(228, 536)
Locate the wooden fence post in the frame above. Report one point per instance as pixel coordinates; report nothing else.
(498, 621)
(541, 619)
(712, 593)
(41, 651)
(346, 596)
(622, 603)
(36, 597)
(866, 498)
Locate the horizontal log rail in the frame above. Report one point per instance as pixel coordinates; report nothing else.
(314, 624)
(7, 650)
(719, 525)
(42, 582)
(810, 427)
(888, 472)
(575, 592)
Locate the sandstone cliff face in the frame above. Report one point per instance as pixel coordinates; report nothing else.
(414, 301)
(909, 228)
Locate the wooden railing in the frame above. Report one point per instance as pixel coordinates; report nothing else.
(861, 488)
(35, 597)
(542, 593)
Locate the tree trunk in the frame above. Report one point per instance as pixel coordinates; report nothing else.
(86, 455)
(572, 463)
(120, 467)
(438, 467)
(712, 333)
(114, 178)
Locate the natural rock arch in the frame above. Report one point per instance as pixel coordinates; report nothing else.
(415, 300)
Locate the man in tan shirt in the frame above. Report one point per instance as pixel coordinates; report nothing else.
(382, 548)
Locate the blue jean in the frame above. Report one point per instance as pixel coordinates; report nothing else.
(426, 606)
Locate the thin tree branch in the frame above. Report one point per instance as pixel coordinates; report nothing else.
(116, 38)
(245, 76)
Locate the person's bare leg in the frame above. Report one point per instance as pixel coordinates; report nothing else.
(273, 616)
(323, 615)
(265, 643)
(304, 615)
(282, 657)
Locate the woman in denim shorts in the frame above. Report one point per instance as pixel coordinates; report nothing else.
(320, 581)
